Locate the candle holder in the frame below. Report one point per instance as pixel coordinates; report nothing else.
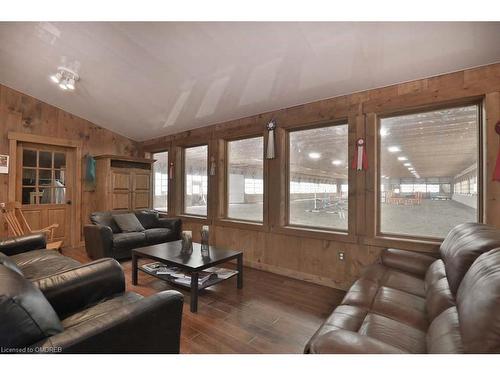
(186, 242)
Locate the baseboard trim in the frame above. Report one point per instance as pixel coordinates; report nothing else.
(315, 279)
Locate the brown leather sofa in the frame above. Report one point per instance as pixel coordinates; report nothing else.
(414, 303)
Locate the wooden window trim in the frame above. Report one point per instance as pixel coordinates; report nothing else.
(222, 217)
(373, 123)
(181, 183)
(283, 147)
(170, 181)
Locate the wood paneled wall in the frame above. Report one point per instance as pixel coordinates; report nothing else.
(25, 114)
(313, 255)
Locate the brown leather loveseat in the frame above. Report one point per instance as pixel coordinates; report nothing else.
(415, 303)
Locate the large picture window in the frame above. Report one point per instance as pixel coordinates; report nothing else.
(160, 181)
(318, 184)
(195, 180)
(428, 171)
(245, 179)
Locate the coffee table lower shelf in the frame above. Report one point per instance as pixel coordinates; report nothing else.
(171, 280)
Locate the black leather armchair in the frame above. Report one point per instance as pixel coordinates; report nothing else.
(85, 310)
(103, 238)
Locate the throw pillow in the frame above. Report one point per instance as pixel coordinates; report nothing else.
(148, 218)
(128, 223)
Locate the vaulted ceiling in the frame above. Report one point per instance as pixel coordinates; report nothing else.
(144, 80)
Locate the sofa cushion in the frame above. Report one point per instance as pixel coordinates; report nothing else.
(148, 218)
(106, 219)
(395, 304)
(462, 246)
(394, 333)
(347, 342)
(386, 276)
(128, 223)
(443, 336)
(27, 317)
(401, 306)
(37, 264)
(158, 235)
(478, 305)
(129, 240)
(9, 263)
(439, 298)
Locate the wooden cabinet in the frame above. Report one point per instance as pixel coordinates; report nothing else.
(123, 183)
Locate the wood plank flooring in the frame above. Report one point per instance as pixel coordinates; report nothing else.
(271, 314)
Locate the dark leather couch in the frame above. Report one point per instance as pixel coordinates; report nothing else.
(51, 303)
(103, 238)
(415, 303)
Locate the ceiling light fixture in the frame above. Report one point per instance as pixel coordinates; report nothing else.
(393, 149)
(402, 158)
(336, 162)
(407, 164)
(410, 168)
(56, 78)
(65, 78)
(314, 155)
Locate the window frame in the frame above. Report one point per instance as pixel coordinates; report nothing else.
(183, 182)
(380, 237)
(326, 233)
(222, 217)
(169, 180)
(226, 181)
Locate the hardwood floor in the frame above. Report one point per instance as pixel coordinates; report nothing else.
(271, 314)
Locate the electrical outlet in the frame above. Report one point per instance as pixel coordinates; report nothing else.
(341, 255)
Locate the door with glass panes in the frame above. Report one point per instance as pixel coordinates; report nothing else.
(44, 176)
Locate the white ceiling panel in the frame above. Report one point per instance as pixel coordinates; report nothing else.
(144, 80)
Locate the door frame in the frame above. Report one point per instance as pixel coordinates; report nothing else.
(75, 210)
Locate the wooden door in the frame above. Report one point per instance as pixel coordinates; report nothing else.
(44, 186)
(141, 189)
(120, 189)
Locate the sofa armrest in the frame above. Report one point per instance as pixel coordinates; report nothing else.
(407, 261)
(150, 325)
(16, 245)
(74, 289)
(174, 224)
(98, 241)
(347, 342)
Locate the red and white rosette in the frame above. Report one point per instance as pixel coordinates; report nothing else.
(360, 161)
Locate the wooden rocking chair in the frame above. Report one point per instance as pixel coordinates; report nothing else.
(19, 226)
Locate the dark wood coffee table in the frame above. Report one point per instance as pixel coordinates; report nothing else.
(170, 254)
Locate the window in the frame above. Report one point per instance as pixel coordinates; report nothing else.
(195, 180)
(428, 169)
(43, 177)
(245, 168)
(318, 188)
(160, 181)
